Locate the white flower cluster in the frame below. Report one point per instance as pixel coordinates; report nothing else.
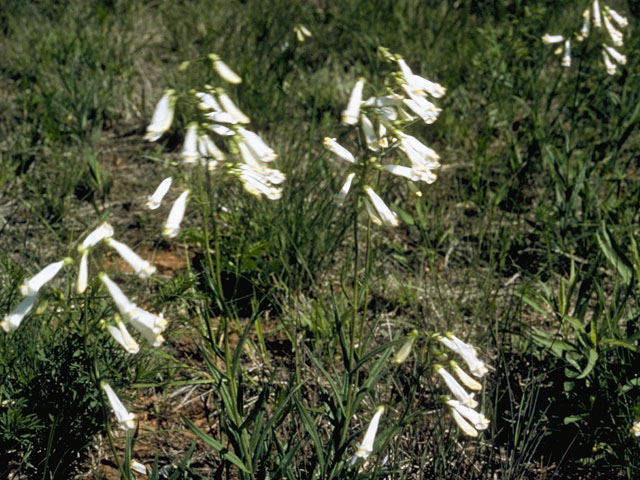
(635, 429)
(382, 119)
(248, 157)
(595, 16)
(30, 289)
(463, 405)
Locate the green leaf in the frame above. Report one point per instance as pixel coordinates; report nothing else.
(591, 362)
(617, 259)
(215, 444)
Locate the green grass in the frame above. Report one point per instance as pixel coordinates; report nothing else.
(287, 312)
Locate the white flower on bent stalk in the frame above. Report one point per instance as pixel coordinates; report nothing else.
(614, 33)
(172, 225)
(301, 32)
(123, 304)
(162, 116)
(154, 200)
(464, 377)
(121, 335)
(425, 176)
(138, 467)
(208, 102)
(551, 39)
(352, 113)
(258, 183)
(208, 149)
(12, 320)
(467, 351)
(456, 389)
(231, 108)
(125, 419)
(342, 194)
(35, 283)
(83, 273)
(586, 22)
(369, 132)
(566, 55)
(338, 150)
(149, 325)
(635, 429)
(418, 85)
(366, 447)
(615, 55)
(384, 214)
(611, 67)
(422, 158)
(597, 19)
(403, 352)
(616, 17)
(478, 420)
(261, 150)
(102, 231)
(189, 152)
(223, 70)
(142, 268)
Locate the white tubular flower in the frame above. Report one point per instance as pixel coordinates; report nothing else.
(468, 353)
(421, 157)
(616, 17)
(597, 19)
(635, 429)
(12, 320)
(464, 377)
(614, 33)
(256, 183)
(479, 421)
(208, 102)
(189, 152)
(121, 335)
(566, 55)
(551, 39)
(35, 283)
(261, 150)
(426, 176)
(104, 230)
(125, 419)
(231, 108)
(617, 56)
(223, 70)
(369, 132)
(301, 32)
(124, 305)
(162, 116)
(465, 426)
(221, 130)
(172, 225)
(387, 217)
(611, 67)
(338, 150)
(221, 117)
(421, 106)
(149, 325)
(366, 447)
(342, 194)
(419, 85)
(586, 22)
(207, 148)
(403, 353)
(155, 323)
(138, 467)
(83, 273)
(352, 112)
(141, 267)
(154, 200)
(456, 389)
